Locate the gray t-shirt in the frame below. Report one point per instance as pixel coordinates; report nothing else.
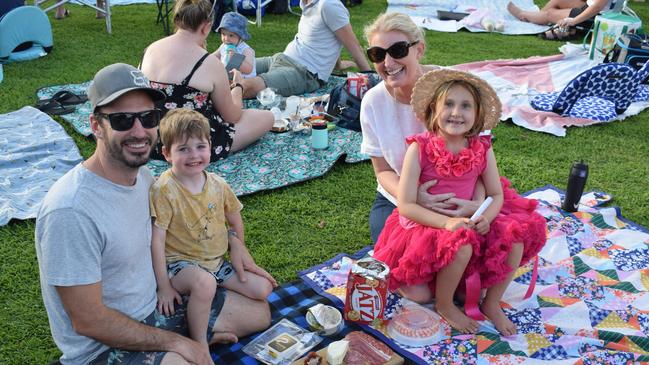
(90, 230)
(315, 45)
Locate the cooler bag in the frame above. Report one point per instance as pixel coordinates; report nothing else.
(607, 29)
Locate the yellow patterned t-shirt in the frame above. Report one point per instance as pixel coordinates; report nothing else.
(195, 223)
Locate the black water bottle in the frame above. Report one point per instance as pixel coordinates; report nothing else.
(576, 184)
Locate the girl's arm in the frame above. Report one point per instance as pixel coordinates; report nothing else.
(407, 195)
(166, 293)
(493, 188)
(248, 62)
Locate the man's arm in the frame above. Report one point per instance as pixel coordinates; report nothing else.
(91, 318)
(347, 37)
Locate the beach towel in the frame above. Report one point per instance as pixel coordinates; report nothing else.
(518, 81)
(590, 304)
(34, 152)
(424, 14)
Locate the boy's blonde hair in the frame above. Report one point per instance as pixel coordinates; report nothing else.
(191, 14)
(399, 22)
(437, 104)
(181, 124)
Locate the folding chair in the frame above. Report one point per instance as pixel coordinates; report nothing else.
(600, 93)
(163, 14)
(105, 10)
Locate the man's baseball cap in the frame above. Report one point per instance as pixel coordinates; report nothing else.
(117, 79)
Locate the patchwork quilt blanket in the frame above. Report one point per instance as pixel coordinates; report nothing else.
(590, 304)
(34, 152)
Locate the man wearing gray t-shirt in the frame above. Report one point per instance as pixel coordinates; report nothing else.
(307, 62)
(93, 237)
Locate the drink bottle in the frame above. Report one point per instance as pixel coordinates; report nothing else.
(576, 184)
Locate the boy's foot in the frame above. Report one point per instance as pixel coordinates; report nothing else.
(457, 319)
(224, 338)
(498, 317)
(515, 11)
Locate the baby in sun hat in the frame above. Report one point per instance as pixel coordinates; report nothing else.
(234, 34)
(432, 254)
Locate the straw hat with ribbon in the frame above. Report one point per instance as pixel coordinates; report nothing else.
(427, 85)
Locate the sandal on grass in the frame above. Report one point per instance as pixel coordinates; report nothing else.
(559, 34)
(63, 97)
(53, 107)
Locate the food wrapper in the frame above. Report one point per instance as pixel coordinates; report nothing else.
(367, 290)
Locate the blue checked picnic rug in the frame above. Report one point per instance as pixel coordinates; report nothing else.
(289, 301)
(590, 304)
(275, 161)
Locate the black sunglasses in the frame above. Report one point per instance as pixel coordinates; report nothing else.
(122, 122)
(397, 50)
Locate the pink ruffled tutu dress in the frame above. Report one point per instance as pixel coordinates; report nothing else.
(415, 253)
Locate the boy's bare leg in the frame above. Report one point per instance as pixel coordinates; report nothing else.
(201, 287)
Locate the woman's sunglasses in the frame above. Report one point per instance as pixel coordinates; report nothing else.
(122, 122)
(397, 50)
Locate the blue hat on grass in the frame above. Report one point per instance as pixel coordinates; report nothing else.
(235, 23)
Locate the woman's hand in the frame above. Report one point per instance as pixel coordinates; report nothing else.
(430, 201)
(463, 207)
(453, 224)
(166, 297)
(565, 23)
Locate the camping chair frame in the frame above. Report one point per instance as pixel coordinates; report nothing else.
(105, 11)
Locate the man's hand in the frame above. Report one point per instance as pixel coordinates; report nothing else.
(192, 351)
(433, 202)
(166, 297)
(453, 224)
(242, 261)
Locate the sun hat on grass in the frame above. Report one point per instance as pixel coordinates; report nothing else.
(427, 85)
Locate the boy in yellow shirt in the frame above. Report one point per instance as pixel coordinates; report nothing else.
(196, 220)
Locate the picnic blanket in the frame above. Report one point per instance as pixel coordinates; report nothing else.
(590, 304)
(517, 81)
(290, 301)
(276, 160)
(424, 14)
(34, 152)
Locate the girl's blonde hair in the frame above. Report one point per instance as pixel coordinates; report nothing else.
(439, 98)
(191, 14)
(181, 124)
(399, 22)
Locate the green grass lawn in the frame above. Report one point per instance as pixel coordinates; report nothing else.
(297, 227)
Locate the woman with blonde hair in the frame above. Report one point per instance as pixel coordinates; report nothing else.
(396, 48)
(191, 77)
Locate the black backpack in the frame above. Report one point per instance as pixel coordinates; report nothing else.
(346, 107)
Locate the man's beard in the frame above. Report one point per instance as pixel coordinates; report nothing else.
(117, 151)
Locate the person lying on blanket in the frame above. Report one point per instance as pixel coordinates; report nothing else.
(307, 62)
(397, 45)
(572, 17)
(193, 78)
(93, 237)
(197, 220)
(430, 253)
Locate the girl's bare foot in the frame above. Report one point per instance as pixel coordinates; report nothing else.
(498, 317)
(456, 318)
(515, 11)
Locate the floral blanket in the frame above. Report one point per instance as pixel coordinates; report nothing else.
(590, 304)
(276, 160)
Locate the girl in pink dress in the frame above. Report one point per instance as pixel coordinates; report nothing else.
(430, 254)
